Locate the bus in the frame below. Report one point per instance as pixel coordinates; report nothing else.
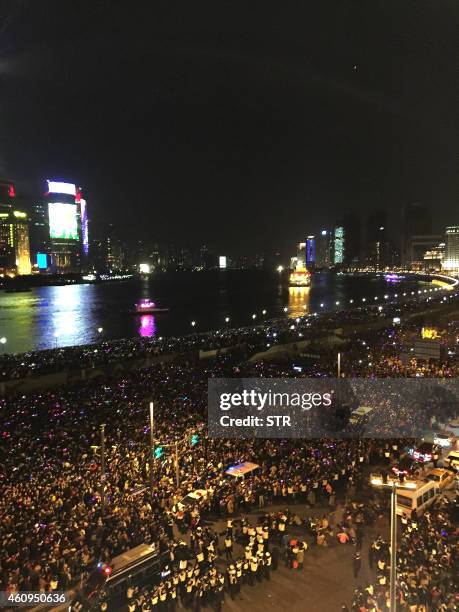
(138, 566)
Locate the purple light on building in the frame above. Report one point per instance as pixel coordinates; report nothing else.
(84, 226)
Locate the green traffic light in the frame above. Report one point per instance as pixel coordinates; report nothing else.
(194, 439)
(158, 452)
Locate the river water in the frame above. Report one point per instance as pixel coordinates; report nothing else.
(61, 316)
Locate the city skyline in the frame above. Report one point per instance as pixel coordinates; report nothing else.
(185, 125)
(63, 239)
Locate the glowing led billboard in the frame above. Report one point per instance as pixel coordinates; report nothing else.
(59, 187)
(63, 222)
(42, 261)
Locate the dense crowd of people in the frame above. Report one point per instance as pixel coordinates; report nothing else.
(57, 522)
(427, 564)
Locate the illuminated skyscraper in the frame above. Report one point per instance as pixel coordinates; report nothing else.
(64, 224)
(451, 260)
(338, 245)
(83, 210)
(310, 252)
(14, 233)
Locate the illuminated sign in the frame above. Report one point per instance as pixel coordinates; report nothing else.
(222, 262)
(58, 187)
(19, 215)
(63, 222)
(42, 261)
(429, 333)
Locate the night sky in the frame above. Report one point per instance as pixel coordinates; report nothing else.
(241, 124)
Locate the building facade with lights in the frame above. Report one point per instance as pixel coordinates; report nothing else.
(14, 234)
(338, 245)
(310, 252)
(60, 229)
(451, 259)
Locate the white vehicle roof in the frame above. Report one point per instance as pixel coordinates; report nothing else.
(362, 410)
(241, 469)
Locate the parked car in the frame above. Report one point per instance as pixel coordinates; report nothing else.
(443, 478)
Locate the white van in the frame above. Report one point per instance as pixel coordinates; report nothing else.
(452, 460)
(417, 499)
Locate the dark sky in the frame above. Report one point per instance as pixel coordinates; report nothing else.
(245, 124)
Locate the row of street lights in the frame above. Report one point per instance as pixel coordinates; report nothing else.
(351, 301)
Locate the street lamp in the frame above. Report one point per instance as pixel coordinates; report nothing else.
(393, 485)
(193, 323)
(227, 319)
(100, 329)
(3, 340)
(280, 269)
(254, 316)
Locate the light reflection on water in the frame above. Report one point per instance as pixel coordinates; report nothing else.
(298, 301)
(147, 328)
(68, 315)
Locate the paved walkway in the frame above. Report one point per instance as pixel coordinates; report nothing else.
(324, 584)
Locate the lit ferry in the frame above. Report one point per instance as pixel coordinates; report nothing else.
(300, 278)
(147, 307)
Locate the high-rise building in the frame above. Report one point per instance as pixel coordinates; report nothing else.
(338, 245)
(416, 221)
(377, 244)
(14, 233)
(84, 221)
(310, 252)
(67, 240)
(324, 249)
(351, 224)
(451, 259)
(108, 251)
(39, 235)
(301, 255)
